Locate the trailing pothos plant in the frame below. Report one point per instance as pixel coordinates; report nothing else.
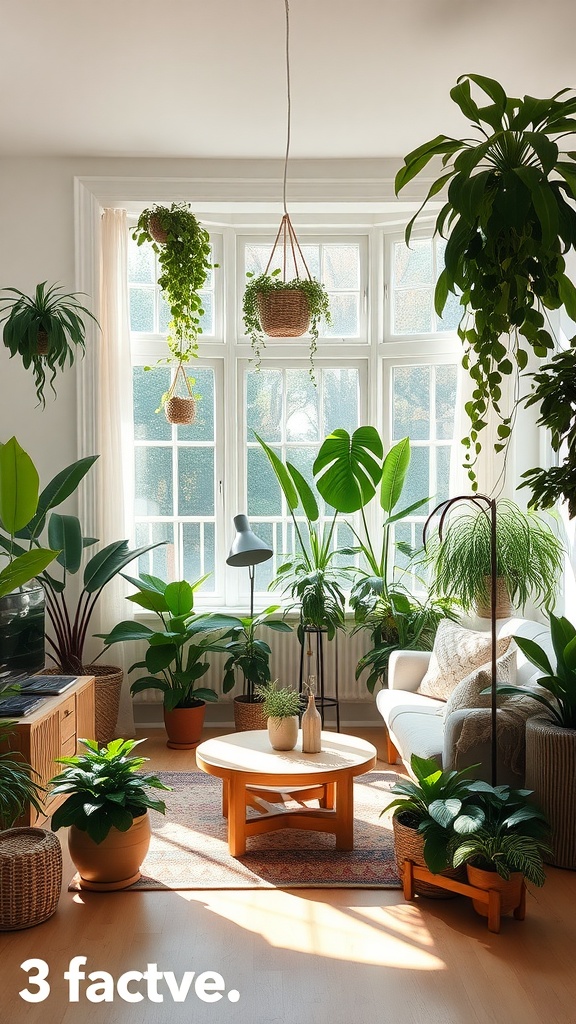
(264, 284)
(349, 472)
(509, 218)
(310, 575)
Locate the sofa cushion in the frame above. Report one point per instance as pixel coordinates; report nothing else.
(456, 653)
(468, 692)
(412, 722)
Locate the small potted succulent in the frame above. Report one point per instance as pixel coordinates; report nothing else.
(281, 706)
(184, 255)
(284, 309)
(46, 330)
(106, 807)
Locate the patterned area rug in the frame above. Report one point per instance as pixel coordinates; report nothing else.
(189, 848)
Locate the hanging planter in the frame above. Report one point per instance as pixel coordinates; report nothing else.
(179, 410)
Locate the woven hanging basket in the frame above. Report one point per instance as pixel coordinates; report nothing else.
(504, 606)
(30, 877)
(284, 313)
(159, 234)
(409, 845)
(180, 410)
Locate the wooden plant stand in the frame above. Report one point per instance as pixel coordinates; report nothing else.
(491, 897)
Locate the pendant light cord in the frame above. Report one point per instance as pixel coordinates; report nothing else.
(288, 102)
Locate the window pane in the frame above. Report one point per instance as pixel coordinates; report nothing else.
(341, 400)
(345, 310)
(342, 266)
(417, 484)
(413, 266)
(411, 402)
(148, 387)
(302, 407)
(413, 311)
(264, 571)
(198, 553)
(142, 310)
(263, 490)
(203, 427)
(159, 561)
(264, 404)
(445, 401)
(257, 254)
(141, 263)
(442, 473)
(153, 481)
(195, 481)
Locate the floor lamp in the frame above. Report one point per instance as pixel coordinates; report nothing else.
(488, 505)
(247, 550)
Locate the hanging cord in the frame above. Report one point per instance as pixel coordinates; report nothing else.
(288, 103)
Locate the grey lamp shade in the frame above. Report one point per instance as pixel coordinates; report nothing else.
(247, 548)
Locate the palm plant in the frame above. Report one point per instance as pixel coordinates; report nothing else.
(45, 329)
(529, 556)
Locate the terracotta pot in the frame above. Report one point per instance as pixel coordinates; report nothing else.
(510, 890)
(184, 726)
(283, 732)
(248, 714)
(409, 845)
(114, 863)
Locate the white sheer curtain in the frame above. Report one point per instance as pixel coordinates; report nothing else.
(115, 437)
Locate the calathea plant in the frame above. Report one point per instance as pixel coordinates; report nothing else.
(509, 218)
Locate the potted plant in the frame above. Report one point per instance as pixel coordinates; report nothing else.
(425, 808)
(349, 472)
(70, 613)
(46, 330)
(529, 559)
(284, 309)
(184, 255)
(250, 655)
(176, 657)
(106, 809)
(509, 220)
(30, 858)
(281, 706)
(501, 840)
(551, 740)
(22, 603)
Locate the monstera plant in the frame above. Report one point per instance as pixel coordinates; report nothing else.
(509, 218)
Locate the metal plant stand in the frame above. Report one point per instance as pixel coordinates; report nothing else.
(306, 649)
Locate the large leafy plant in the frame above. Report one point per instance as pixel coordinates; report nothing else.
(46, 330)
(104, 789)
(248, 653)
(559, 683)
(177, 652)
(310, 575)
(529, 556)
(509, 218)
(19, 500)
(70, 613)
(350, 472)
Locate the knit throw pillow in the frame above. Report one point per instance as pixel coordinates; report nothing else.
(468, 692)
(457, 652)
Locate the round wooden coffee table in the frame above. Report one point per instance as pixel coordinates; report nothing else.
(258, 777)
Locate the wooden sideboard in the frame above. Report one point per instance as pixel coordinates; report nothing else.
(53, 731)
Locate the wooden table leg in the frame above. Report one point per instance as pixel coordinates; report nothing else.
(224, 798)
(236, 817)
(327, 801)
(344, 813)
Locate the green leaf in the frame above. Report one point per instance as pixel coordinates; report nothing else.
(127, 630)
(179, 597)
(24, 568)
(60, 487)
(347, 469)
(19, 484)
(445, 811)
(282, 475)
(534, 653)
(460, 93)
(108, 562)
(567, 293)
(65, 534)
(492, 88)
(394, 473)
(305, 493)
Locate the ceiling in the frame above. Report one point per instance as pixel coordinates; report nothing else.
(184, 78)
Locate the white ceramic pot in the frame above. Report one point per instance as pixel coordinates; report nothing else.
(283, 732)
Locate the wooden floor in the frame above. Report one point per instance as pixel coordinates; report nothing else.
(305, 957)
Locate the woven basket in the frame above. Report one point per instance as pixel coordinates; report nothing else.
(550, 772)
(42, 343)
(180, 410)
(284, 313)
(159, 234)
(409, 845)
(108, 685)
(504, 607)
(30, 877)
(248, 715)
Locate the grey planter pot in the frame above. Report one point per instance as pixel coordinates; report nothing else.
(551, 773)
(22, 629)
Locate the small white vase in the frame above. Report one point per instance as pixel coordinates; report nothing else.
(283, 732)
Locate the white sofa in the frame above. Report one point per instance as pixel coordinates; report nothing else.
(415, 723)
